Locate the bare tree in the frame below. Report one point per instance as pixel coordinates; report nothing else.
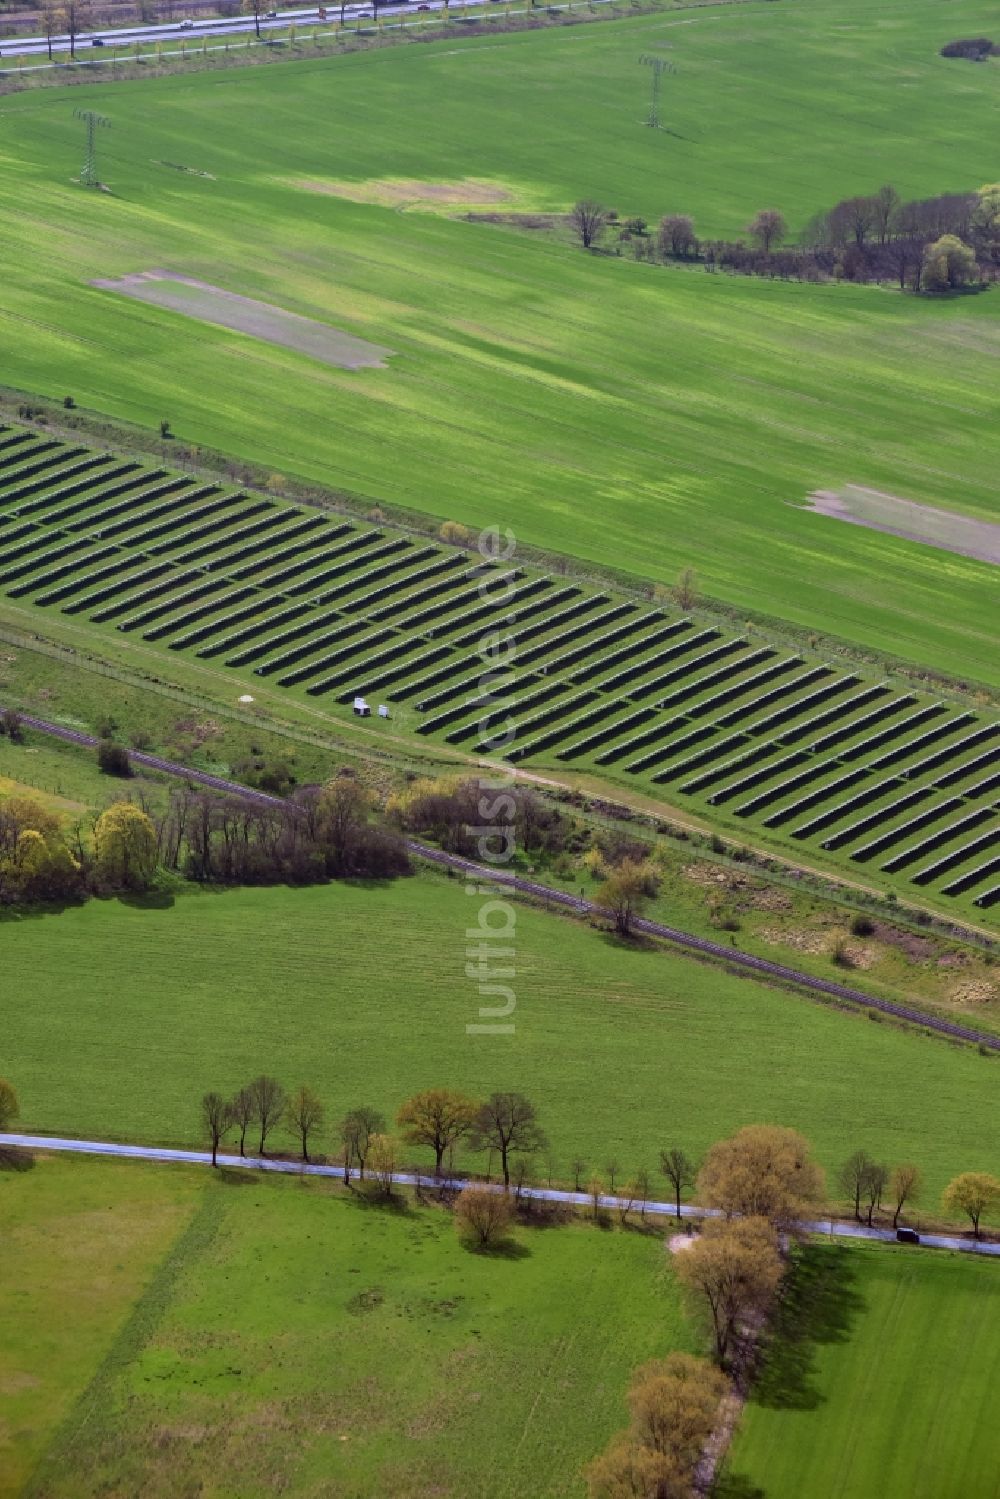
(50, 18)
(851, 218)
(674, 1404)
(72, 19)
(268, 1105)
(905, 1184)
(588, 220)
(579, 1167)
(612, 1167)
(885, 206)
(507, 1122)
(733, 1270)
(384, 1154)
(11, 725)
(305, 1116)
(852, 1178)
(523, 1173)
(680, 1171)
(243, 1109)
(358, 1128)
(767, 229)
(483, 1214)
(216, 1120)
(343, 816)
(677, 236)
(686, 590)
(903, 256)
(876, 1181)
(642, 1186)
(254, 8)
(9, 1106)
(626, 1200)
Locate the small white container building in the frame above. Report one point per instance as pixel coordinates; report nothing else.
(361, 708)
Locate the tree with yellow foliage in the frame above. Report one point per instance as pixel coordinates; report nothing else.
(437, 1118)
(763, 1171)
(626, 890)
(732, 1271)
(125, 846)
(35, 862)
(973, 1193)
(674, 1404)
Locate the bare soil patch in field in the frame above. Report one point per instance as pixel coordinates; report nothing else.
(924, 523)
(393, 192)
(227, 309)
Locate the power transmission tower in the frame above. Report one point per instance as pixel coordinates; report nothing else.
(92, 120)
(659, 65)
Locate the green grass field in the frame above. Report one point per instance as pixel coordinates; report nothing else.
(881, 1381)
(615, 411)
(135, 1012)
(286, 1337)
(81, 1244)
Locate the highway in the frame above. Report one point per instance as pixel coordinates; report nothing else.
(221, 28)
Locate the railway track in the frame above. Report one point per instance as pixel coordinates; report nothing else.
(686, 941)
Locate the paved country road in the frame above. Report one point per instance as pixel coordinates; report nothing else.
(160, 1153)
(740, 961)
(221, 27)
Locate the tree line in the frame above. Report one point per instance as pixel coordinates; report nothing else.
(505, 1124)
(459, 813)
(319, 833)
(767, 1173)
(873, 1187)
(931, 245)
(761, 1183)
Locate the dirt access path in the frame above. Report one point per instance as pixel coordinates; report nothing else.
(943, 529)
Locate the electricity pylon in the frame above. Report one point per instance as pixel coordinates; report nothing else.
(659, 65)
(92, 120)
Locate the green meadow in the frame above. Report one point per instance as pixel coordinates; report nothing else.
(82, 1241)
(619, 412)
(255, 1336)
(880, 1378)
(131, 1013)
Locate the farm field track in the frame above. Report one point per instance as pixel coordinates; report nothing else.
(620, 1048)
(879, 1380)
(821, 759)
(606, 409)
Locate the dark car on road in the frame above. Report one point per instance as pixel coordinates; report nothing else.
(907, 1236)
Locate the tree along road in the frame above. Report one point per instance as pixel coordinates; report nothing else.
(828, 1226)
(743, 962)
